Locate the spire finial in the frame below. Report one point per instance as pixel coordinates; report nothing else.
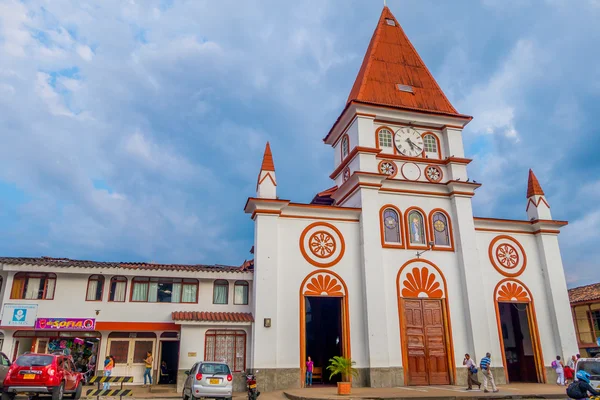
(533, 186)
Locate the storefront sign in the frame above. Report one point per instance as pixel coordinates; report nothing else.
(65, 324)
(19, 315)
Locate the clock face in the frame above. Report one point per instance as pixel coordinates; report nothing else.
(409, 142)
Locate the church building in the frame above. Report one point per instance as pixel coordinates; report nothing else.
(389, 266)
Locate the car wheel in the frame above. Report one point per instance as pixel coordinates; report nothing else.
(78, 391)
(58, 392)
(8, 396)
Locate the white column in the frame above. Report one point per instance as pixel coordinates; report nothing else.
(557, 296)
(376, 307)
(475, 302)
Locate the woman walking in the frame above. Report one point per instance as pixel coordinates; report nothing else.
(309, 372)
(471, 372)
(559, 367)
(109, 364)
(148, 363)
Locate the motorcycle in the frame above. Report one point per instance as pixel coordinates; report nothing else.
(253, 392)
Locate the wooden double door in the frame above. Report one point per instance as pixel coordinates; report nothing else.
(425, 342)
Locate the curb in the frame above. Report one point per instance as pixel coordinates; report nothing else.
(493, 397)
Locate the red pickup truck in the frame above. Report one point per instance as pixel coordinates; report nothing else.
(35, 374)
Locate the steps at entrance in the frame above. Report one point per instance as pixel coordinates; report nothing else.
(163, 388)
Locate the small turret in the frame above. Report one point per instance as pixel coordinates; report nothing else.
(537, 205)
(266, 187)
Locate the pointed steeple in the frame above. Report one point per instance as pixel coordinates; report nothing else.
(393, 74)
(537, 205)
(266, 186)
(533, 186)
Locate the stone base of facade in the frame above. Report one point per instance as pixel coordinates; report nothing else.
(551, 375)
(498, 372)
(380, 377)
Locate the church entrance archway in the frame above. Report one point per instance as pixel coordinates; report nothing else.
(425, 332)
(518, 333)
(324, 322)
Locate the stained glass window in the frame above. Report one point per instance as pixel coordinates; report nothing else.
(416, 228)
(391, 223)
(385, 138)
(441, 233)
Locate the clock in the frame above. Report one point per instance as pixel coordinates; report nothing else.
(409, 142)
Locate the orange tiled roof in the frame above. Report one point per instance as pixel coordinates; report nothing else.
(390, 60)
(205, 316)
(324, 197)
(533, 186)
(267, 163)
(585, 293)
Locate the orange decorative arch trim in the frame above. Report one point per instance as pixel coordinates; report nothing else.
(391, 245)
(322, 244)
(377, 137)
(508, 258)
(510, 290)
(435, 171)
(446, 314)
(432, 229)
(336, 287)
(437, 139)
(421, 283)
(540, 200)
(410, 245)
(268, 175)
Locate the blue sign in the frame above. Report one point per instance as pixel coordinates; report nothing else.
(19, 315)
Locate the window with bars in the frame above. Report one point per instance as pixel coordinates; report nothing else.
(430, 143)
(164, 290)
(227, 346)
(385, 138)
(33, 286)
(95, 288)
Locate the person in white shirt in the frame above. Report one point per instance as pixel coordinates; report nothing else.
(471, 372)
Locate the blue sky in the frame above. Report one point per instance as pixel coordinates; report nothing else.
(134, 130)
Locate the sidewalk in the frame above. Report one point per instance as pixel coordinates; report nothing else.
(511, 391)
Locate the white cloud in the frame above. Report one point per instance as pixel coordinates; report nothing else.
(85, 52)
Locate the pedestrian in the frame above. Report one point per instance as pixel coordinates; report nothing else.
(559, 367)
(309, 372)
(109, 363)
(471, 372)
(570, 369)
(486, 369)
(148, 363)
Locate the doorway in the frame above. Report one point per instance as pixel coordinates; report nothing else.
(517, 342)
(169, 354)
(424, 342)
(129, 351)
(323, 333)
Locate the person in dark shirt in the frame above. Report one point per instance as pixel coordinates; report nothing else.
(581, 387)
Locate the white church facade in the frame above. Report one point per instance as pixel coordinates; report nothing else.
(389, 266)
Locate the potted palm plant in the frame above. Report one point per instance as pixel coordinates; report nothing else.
(345, 367)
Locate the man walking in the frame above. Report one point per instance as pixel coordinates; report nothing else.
(486, 370)
(471, 372)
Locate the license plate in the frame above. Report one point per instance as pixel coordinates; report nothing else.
(29, 376)
(214, 381)
(252, 386)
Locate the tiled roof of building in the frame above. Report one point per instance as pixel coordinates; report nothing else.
(66, 263)
(585, 293)
(205, 316)
(391, 60)
(324, 198)
(267, 163)
(533, 186)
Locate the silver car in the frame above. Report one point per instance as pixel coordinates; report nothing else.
(208, 379)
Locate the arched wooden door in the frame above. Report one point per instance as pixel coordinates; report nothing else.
(424, 325)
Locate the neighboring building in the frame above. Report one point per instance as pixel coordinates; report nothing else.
(585, 306)
(181, 313)
(354, 274)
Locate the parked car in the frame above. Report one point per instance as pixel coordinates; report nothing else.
(592, 367)
(35, 374)
(4, 367)
(208, 380)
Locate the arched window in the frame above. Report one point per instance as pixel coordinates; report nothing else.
(33, 286)
(227, 346)
(431, 146)
(416, 228)
(95, 288)
(384, 138)
(220, 291)
(441, 232)
(118, 288)
(240, 292)
(345, 146)
(391, 226)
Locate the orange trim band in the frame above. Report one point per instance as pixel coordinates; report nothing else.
(321, 218)
(137, 326)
